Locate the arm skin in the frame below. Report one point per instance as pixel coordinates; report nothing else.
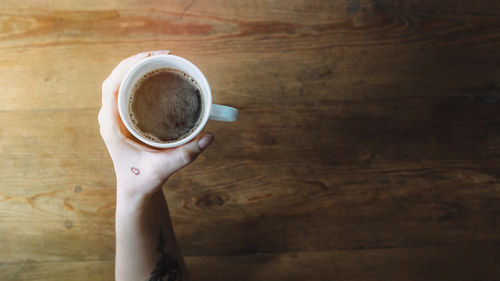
(138, 225)
(146, 248)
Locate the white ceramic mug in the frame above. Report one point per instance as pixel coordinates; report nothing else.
(210, 111)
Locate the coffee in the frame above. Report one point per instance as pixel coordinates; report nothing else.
(165, 105)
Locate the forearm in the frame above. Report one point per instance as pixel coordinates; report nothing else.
(146, 248)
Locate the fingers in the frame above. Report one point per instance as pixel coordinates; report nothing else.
(111, 84)
(108, 115)
(114, 79)
(186, 153)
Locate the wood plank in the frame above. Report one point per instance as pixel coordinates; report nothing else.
(320, 10)
(368, 145)
(369, 264)
(440, 194)
(67, 270)
(388, 51)
(375, 264)
(390, 25)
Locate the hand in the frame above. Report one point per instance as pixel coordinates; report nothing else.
(140, 170)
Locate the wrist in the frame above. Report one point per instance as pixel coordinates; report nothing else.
(127, 188)
(129, 202)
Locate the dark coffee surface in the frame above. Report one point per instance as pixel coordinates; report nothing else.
(165, 105)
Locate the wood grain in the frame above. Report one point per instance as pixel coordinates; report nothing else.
(368, 144)
(59, 270)
(371, 264)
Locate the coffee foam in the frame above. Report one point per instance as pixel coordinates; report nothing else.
(174, 105)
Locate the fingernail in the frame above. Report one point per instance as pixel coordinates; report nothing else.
(159, 52)
(205, 141)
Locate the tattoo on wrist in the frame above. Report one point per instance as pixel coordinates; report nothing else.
(167, 268)
(135, 171)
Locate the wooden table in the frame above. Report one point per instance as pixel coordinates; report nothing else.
(368, 144)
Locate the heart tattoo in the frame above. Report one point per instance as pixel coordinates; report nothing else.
(135, 171)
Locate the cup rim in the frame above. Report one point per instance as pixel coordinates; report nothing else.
(207, 99)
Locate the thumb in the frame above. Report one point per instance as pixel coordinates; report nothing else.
(186, 153)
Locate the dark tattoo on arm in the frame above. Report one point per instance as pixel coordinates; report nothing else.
(167, 268)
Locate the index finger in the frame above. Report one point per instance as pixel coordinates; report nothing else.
(109, 109)
(110, 85)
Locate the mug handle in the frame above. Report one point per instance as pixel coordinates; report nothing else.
(223, 113)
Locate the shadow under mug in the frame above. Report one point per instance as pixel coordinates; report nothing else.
(210, 111)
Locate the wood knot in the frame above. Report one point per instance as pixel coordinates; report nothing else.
(68, 224)
(212, 200)
(78, 189)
